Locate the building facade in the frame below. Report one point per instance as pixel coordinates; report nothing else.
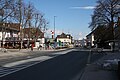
(90, 39)
(12, 36)
(9, 34)
(64, 39)
(33, 36)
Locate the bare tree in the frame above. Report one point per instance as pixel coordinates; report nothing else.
(40, 23)
(25, 14)
(7, 8)
(6, 13)
(37, 22)
(106, 12)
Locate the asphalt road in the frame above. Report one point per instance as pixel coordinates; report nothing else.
(64, 67)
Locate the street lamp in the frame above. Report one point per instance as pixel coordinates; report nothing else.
(54, 33)
(54, 26)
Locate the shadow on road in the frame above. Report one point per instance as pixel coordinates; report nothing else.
(63, 67)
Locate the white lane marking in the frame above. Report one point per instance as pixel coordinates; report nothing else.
(64, 52)
(18, 69)
(25, 61)
(43, 58)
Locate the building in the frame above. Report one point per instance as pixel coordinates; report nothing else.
(33, 36)
(77, 43)
(90, 39)
(105, 36)
(9, 35)
(64, 39)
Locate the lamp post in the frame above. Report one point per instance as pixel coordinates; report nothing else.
(54, 33)
(54, 26)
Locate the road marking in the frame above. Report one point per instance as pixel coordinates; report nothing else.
(19, 65)
(26, 61)
(17, 68)
(64, 52)
(41, 58)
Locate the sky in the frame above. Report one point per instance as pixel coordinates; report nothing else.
(72, 16)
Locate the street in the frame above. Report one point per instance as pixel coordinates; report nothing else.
(63, 67)
(25, 55)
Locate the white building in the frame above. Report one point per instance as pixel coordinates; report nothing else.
(65, 39)
(90, 39)
(9, 34)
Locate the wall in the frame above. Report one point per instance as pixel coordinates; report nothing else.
(64, 40)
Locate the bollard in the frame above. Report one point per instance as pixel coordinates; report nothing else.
(119, 70)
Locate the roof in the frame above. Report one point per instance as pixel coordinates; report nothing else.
(32, 32)
(63, 35)
(13, 26)
(96, 30)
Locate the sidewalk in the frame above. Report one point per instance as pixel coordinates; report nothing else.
(95, 71)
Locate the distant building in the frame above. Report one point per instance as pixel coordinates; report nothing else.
(65, 39)
(83, 43)
(77, 43)
(80, 43)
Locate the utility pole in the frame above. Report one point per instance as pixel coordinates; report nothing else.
(54, 26)
(54, 33)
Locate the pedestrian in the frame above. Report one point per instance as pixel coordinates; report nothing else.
(32, 45)
(39, 47)
(19, 47)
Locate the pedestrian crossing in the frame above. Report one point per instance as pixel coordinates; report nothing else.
(8, 70)
(17, 66)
